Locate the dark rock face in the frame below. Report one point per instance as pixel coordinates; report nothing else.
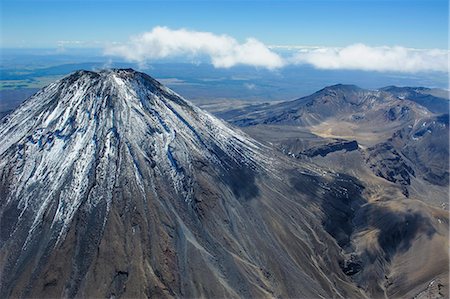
(387, 163)
(351, 267)
(330, 148)
(397, 113)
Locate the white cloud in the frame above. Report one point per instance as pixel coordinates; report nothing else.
(223, 50)
(382, 59)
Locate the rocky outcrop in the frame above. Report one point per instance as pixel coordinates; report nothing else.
(386, 162)
(323, 150)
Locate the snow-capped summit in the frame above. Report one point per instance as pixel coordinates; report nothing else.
(87, 124)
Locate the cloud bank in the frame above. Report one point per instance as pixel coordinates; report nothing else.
(381, 59)
(224, 51)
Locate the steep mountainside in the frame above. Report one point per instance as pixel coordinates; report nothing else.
(112, 185)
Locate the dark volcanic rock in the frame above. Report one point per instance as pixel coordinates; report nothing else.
(387, 163)
(324, 150)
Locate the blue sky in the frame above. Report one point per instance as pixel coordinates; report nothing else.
(408, 23)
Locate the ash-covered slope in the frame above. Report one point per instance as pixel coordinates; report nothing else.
(112, 185)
